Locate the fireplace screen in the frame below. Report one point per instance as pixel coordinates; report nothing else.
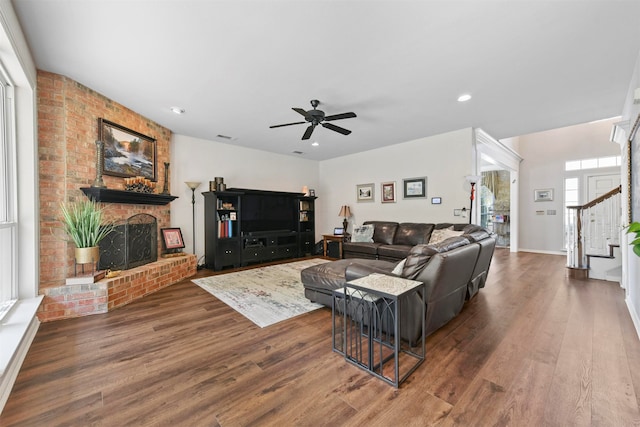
(131, 244)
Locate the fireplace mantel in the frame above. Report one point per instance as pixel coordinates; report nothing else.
(107, 195)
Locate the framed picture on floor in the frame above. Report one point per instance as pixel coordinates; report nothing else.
(172, 238)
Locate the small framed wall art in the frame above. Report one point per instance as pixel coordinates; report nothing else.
(365, 192)
(415, 188)
(543, 195)
(388, 191)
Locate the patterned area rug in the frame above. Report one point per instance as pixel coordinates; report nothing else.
(264, 295)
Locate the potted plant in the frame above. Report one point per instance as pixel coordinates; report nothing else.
(84, 223)
(634, 227)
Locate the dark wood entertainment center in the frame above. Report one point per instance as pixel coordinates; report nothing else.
(244, 226)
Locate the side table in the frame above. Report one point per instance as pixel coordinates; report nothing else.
(366, 326)
(332, 237)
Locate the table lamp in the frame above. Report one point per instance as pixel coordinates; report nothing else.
(345, 212)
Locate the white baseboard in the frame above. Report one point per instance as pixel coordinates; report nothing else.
(18, 329)
(536, 251)
(634, 315)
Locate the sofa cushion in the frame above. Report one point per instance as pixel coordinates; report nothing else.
(457, 226)
(394, 251)
(438, 236)
(326, 276)
(412, 234)
(383, 231)
(451, 243)
(364, 233)
(397, 270)
(476, 233)
(417, 259)
(361, 247)
(332, 275)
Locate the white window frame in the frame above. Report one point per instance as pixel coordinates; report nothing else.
(8, 204)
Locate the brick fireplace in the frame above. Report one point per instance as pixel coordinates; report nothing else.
(68, 114)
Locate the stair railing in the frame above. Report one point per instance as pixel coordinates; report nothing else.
(593, 228)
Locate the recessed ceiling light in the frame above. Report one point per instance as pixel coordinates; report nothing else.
(464, 98)
(178, 110)
(315, 143)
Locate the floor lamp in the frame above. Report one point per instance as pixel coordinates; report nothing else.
(193, 185)
(473, 180)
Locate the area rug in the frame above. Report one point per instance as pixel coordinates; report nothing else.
(264, 295)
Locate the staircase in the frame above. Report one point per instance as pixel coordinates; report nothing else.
(593, 238)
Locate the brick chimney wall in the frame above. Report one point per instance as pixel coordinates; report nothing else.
(68, 114)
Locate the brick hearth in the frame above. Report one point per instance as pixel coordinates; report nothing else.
(67, 301)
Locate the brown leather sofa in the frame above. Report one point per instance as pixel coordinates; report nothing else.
(392, 241)
(453, 271)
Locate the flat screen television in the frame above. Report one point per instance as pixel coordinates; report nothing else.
(260, 213)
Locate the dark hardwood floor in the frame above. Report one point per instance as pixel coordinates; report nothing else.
(534, 348)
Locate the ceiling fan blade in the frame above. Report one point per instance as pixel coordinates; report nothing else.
(308, 132)
(301, 111)
(340, 116)
(336, 128)
(287, 124)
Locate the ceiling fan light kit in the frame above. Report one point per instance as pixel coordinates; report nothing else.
(317, 117)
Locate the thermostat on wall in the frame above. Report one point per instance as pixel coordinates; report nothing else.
(436, 200)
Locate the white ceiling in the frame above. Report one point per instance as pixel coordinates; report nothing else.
(238, 66)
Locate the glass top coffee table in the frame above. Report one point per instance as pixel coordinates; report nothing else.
(367, 330)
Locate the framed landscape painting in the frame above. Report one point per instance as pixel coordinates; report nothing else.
(127, 153)
(415, 188)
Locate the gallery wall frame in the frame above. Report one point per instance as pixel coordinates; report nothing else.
(127, 153)
(415, 188)
(365, 192)
(543, 195)
(388, 192)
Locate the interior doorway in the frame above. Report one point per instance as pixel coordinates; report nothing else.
(495, 204)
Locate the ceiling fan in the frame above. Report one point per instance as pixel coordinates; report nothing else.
(316, 117)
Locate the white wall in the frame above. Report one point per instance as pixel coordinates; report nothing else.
(444, 159)
(195, 159)
(545, 154)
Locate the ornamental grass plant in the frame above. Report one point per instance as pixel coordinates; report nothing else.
(84, 223)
